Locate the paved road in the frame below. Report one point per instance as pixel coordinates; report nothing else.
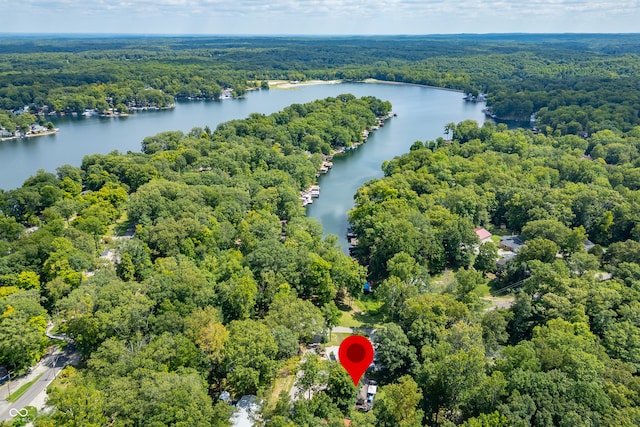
(49, 367)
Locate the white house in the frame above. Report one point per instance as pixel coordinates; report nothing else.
(35, 128)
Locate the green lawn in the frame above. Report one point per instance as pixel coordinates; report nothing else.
(482, 290)
(348, 320)
(364, 312)
(283, 382)
(368, 303)
(336, 338)
(443, 282)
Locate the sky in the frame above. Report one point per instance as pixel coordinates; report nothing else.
(316, 17)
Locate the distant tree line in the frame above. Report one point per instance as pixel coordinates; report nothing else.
(576, 85)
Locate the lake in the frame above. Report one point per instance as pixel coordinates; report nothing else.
(422, 114)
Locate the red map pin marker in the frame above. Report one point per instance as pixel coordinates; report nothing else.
(355, 354)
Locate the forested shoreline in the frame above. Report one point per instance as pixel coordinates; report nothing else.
(576, 84)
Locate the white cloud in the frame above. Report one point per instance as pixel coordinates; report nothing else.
(324, 16)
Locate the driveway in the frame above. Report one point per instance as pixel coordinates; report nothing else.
(497, 303)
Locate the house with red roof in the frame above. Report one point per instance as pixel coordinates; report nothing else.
(483, 234)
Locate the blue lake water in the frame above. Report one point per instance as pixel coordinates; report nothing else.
(422, 114)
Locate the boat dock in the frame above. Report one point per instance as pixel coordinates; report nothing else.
(307, 196)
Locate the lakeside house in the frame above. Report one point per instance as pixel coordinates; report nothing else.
(588, 245)
(226, 93)
(36, 128)
(22, 110)
(508, 248)
(481, 97)
(90, 112)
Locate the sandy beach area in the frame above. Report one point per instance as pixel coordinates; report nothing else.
(286, 84)
(410, 84)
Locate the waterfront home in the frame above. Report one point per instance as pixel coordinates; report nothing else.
(22, 110)
(226, 94)
(35, 128)
(90, 112)
(588, 245)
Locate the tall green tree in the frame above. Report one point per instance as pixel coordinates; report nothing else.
(400, 404)
(395, 355)
(250, 356)
(340, 388)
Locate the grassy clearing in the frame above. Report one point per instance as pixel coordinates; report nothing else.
(120, 227)
(368, 312)
(284, 381)
(22, 390)
(348, 320)
(336, 338)
(441, 282)
(498, 232)
(363, 312)
(62, 380)
(368, 303)
(482, 290)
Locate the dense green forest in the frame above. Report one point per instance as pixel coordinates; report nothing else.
(567, 351)
(575, 83)
(190, 269)
(213, 290)
(225, 276)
